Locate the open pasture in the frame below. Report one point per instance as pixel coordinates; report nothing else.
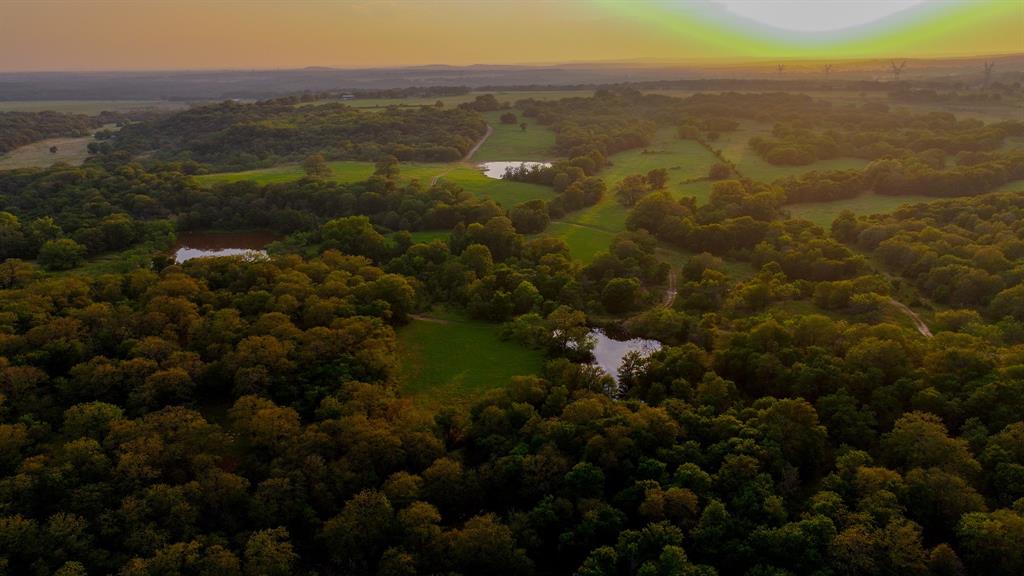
(823, 213)
(589, 231)
(467, 177)
(448, 359)
(73, 150)
(734, 146)
(90, 107)
(509, 142)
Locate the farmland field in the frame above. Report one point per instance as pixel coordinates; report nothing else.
(90, 107)
(448, 359)
(37, 154)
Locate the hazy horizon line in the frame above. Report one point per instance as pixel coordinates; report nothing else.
(703, 62)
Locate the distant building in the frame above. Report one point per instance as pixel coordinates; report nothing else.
(347, 96)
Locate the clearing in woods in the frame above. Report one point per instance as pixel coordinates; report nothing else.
(589, 231)
(449, 359)
(37, 154)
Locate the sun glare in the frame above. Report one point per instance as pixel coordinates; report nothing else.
(817, 15)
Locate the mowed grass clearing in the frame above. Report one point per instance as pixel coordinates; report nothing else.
(448, 359)
(511, 143)
(71, 151)
(734, 146)
(588, 232)
(823, 213)
(468, 177)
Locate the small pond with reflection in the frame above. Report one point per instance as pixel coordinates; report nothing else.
(210, 244)
(609, 352)
(497, 169)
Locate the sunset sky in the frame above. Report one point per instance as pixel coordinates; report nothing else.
(203, 34)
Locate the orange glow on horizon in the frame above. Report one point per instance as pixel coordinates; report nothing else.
(194, 34)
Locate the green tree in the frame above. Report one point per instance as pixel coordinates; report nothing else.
(316, 167)
(62, 254)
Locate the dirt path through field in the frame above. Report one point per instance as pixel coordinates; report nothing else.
(921, 326)
(671, 291)
(424, 318)
(465, 159)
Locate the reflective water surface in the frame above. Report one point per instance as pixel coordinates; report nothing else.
(210, 244)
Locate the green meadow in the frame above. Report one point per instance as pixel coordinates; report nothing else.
(509, 142)
(588, 232)
(72, 151)
(734, 147)
(469, 178)
(448, 359)
(823, 213)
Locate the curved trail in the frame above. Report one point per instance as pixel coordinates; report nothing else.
(921, 326)
(671, 291)
(468, 155)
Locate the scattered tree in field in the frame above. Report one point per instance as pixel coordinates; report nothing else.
(316, 167)
(719, 171)
(53, 149)
(508, 118)
(631, 189)
(387, 167)
(657, 179)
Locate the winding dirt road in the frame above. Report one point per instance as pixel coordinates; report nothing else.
(671, 291)
(921, 326)
(465, 159)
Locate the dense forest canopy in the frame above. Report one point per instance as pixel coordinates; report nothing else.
(233, 135)
(245, 415)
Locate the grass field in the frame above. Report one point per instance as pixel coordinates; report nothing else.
(735, 148)
(427, 236)
(589, 231)
(451, 360)
(37, 154)
(469, 178)
(90, 107)
(510, 143)
(823, 213)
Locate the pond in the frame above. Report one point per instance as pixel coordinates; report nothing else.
(609, 352)
(497, 169)
(211, 244)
